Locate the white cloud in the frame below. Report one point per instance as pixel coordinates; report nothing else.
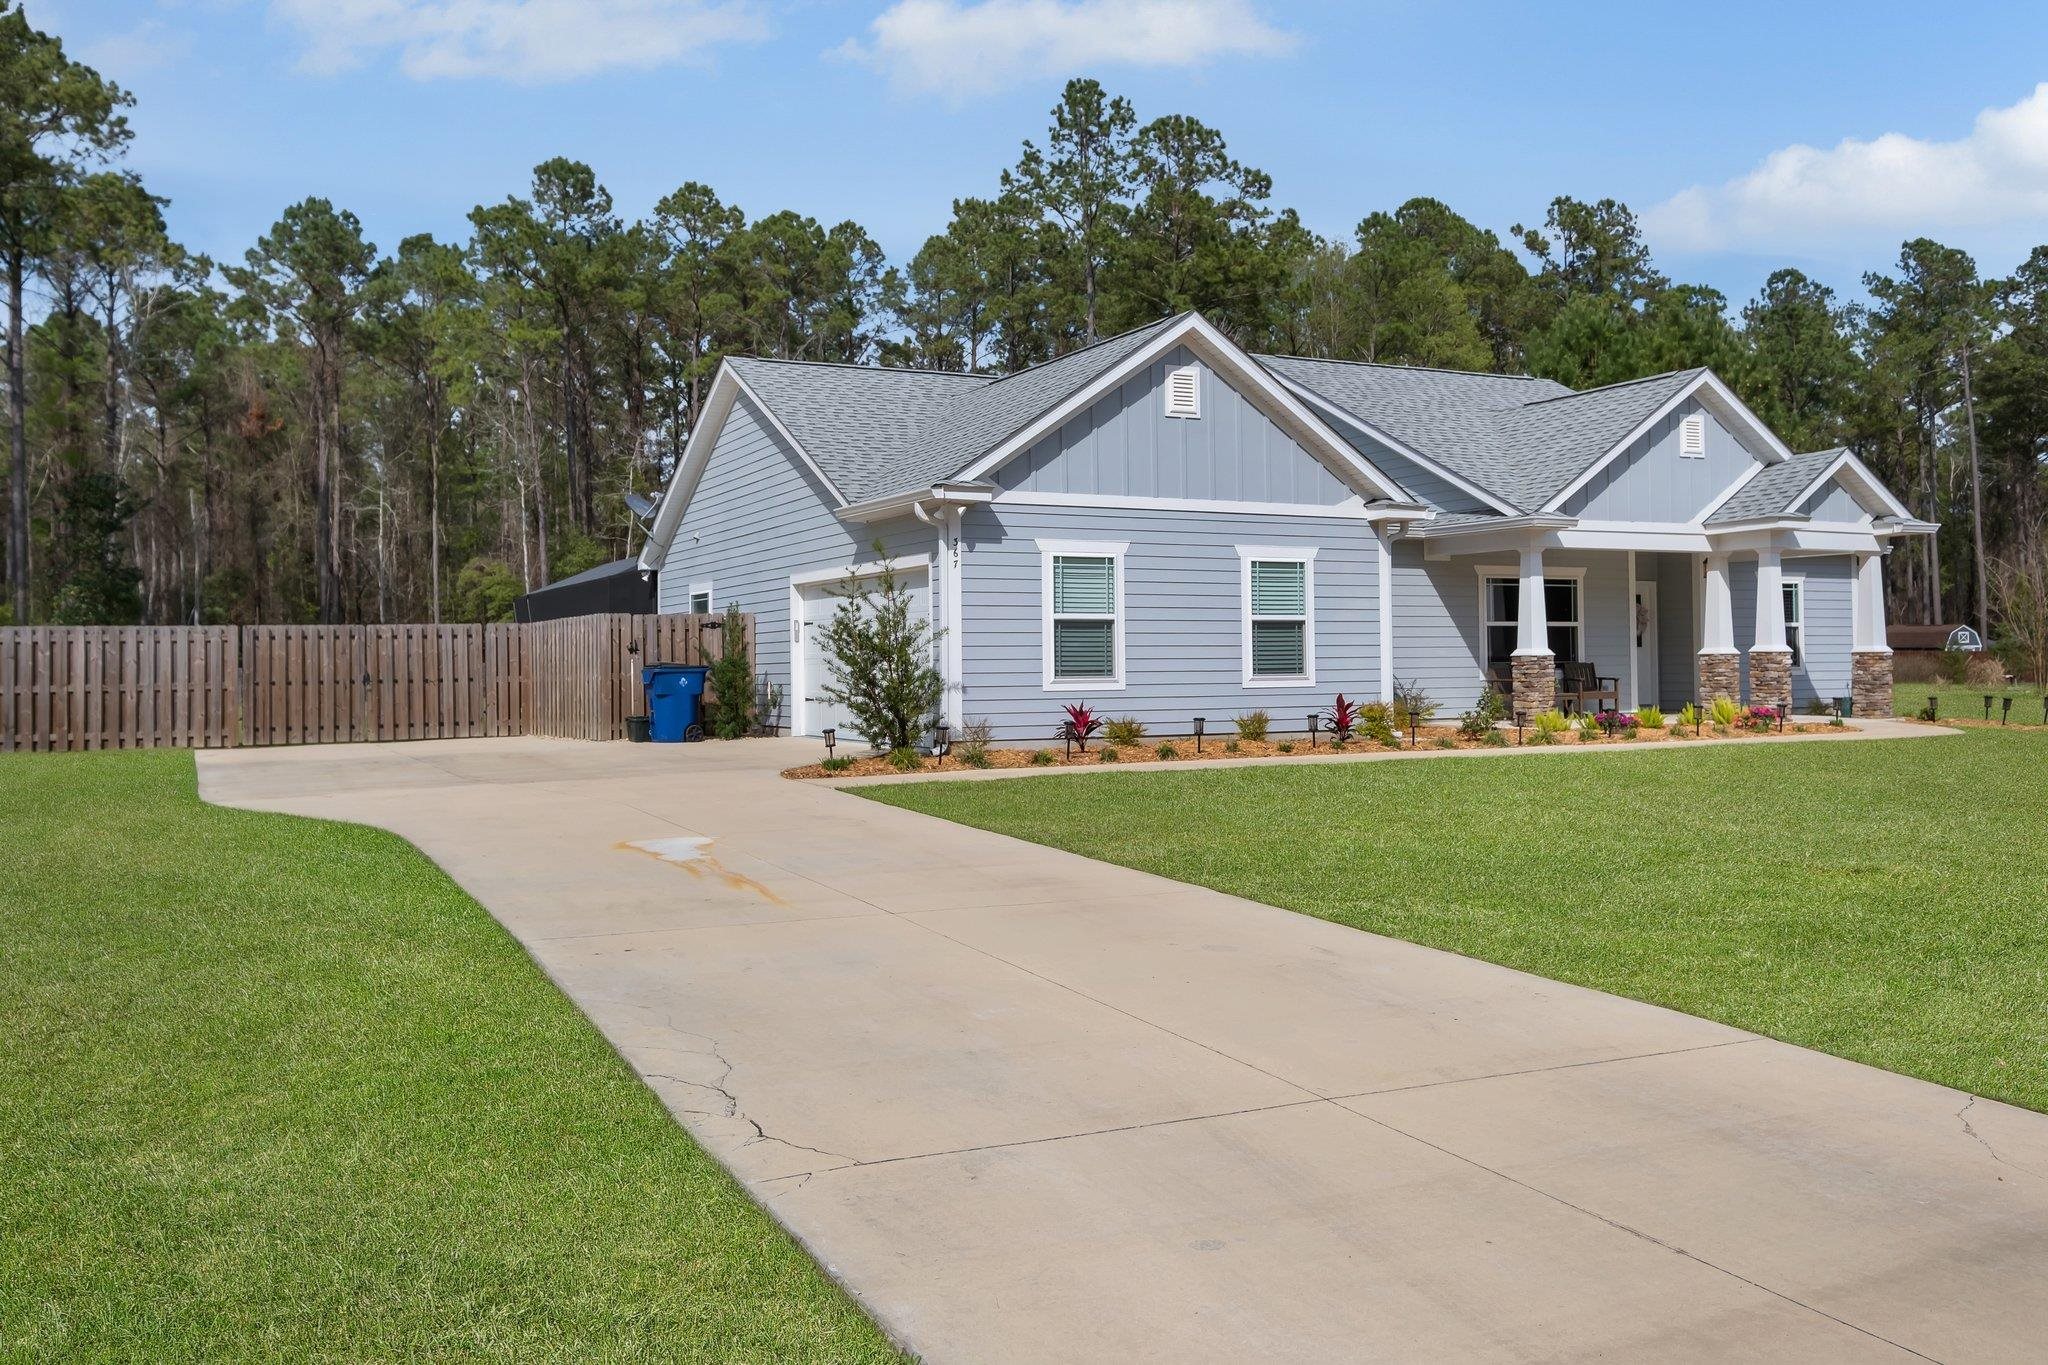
(145, 47)
(529, 41)
(1804, 196)
(956, 48)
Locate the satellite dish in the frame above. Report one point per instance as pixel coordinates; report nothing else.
(1965, 639)
(640, 505)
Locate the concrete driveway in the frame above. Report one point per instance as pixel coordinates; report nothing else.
(1030, 1107)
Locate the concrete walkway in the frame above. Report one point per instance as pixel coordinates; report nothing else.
(1032, 1107)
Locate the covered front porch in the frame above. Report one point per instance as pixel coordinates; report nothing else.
(1764, 620)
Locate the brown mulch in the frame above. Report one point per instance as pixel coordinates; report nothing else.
(1215, 747)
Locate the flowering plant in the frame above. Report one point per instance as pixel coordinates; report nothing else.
(1617, 720)
(1760, 718)
(1083, 723)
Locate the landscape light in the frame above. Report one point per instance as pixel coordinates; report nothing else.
(1987, 708)
(1313, 717)
(1198, 734)
(2005, 712)
(1520, 716)
(942, 741)
(1067, 737)
(831, 738)
(1933, 707)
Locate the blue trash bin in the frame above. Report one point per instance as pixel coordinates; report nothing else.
(675, 701)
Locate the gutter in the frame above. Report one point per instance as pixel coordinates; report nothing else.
(1531, 521)
(945, 493)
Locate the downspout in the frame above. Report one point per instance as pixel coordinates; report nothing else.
(1386, 587)
(947, 523)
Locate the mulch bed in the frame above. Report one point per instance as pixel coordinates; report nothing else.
(1432, 737)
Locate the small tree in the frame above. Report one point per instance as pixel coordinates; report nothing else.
(880, 657)
(2019, 593)
(730, 710)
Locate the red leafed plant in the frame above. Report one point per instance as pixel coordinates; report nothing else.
(1342, 717)
(1084, 723)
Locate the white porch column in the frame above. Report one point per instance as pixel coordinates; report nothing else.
(1720, 667)
(1867, 625)
(1534, 669)
(1770, 601)
(1532, 628)
(1628, 632)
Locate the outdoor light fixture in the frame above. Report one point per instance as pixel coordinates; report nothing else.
(1198, 734)
(1412, 741)
(1520, 717)
(1781, 718)
(942, 741)
(1933, 707)
(831, 738)
(1067, 738)
(1987, 708)
(2044, 710)
(2005, 711)
(1312, 719)
(1697, 712)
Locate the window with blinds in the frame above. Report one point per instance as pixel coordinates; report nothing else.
(1083, 617)
(1279, 612)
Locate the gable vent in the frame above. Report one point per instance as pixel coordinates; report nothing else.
(1692, 437)
(1184, 391)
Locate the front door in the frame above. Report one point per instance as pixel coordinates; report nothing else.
(1648, 690)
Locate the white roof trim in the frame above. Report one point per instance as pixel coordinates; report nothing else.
(1710, 389)
(726, 388)
(1243, 373)
(1401, 448)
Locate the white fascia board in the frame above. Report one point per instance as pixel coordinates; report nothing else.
(1246, 375)
(726, 388)
(1401, 448)
(1680, 539)
(1535, 521)
(1905, 526)
(1710, 390)
(949, 494)
(1861, 474)
(1351, 509)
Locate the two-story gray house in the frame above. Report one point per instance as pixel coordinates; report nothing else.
(1163, 525)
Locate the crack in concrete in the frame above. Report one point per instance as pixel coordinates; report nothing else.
(1970, 1131)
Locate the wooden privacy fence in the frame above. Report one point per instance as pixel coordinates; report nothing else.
(136, 687)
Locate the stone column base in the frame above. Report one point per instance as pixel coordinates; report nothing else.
(1535, 683)
(1720, 675)
(1770, 678)
(1870, 682)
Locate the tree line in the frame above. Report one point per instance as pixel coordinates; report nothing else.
(323, 431)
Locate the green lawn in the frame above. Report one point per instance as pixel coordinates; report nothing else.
(1967, 703)
(1882, 901)
(276, 1088)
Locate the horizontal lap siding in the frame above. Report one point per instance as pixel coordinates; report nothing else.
(757, 517)
(1183, 615)
(1677, 630)
(1823, 673)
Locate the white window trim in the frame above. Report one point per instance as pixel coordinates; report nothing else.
(1797, 582)
(690, 595)
(1514, 575)
(1092, 549)
(1286, 554)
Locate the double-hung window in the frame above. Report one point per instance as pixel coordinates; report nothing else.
(1083, 589)
(1795, 614)
(1279, 616)
(1501, 598)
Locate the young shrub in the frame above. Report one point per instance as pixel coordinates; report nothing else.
(1649, 718)
(1166, 750)
(1837, 722)
(1043, 758)
(906, 759)
(1376, 723)
(1551, 723)
(1231, 746)
(1492, 709)
(1124, 730)
(1724, 712)
(1285, 746)
(1495, 739)
(879, 655)
(971, 748)
(1954, 666)
(729, 700)
(1253, 725)
(1342, 718)
(1587, 724)
(1445, 742)
(1413, 707)
(1688, 717)
(836, 765)
(1108, 753)
(1084, 723)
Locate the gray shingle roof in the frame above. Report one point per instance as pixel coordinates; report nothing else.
(1773, 490)
(859, 423)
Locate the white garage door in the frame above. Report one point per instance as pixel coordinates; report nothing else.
(813, 712)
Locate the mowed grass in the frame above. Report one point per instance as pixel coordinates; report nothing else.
(1885, 901)
(1959, 702)
(276, 1088)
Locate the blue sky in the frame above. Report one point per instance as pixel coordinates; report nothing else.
(1750, 136)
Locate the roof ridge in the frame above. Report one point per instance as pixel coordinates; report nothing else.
(870, 369)
(1617, 384)
(1412, 369)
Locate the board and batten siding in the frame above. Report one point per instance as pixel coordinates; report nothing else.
(1652, 482)
(1124, 445)
(1183, 616)
(1823, 672)
(1832, 502)
(759, 516)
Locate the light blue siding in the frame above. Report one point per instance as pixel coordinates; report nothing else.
(1652, 482)
(757, 517)
(1125, 446)
(1678, 578)
(1823, 672)
(1183, 616)
(1832, 502)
